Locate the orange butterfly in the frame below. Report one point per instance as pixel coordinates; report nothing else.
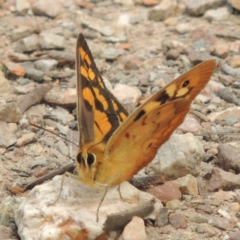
(114, 146)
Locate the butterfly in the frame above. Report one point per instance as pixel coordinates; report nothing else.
(113, 146)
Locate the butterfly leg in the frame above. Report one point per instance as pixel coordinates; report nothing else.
(104, 195)
(60, 191)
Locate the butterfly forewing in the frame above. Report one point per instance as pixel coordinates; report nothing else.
(99, 112)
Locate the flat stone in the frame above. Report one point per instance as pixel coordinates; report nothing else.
(166, 192)
(178, 220)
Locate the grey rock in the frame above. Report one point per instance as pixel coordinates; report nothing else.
(51, 41)
(229, 120)
(111, 53)
(62, 115)
(223, 180)
(47, 8)
(198, 218)
(183, 152)
(97, 24)
(46, 65)
(28, 44)
(34, 74)
(9, 112)
(162, 218)
(62, 148)
(229, 157)
(162, 11)
(21, 32)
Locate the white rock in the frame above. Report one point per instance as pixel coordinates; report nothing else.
(179, 156)
(126, 94)
(22, 6)
(220, 14)
(73, 216)
(135, 230)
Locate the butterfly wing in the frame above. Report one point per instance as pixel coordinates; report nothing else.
(99, 112)
(134, 144)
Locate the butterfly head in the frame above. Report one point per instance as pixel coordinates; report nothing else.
(86, 166)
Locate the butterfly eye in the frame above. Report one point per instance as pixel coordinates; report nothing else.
(80, 158)
(91, 159)
(186, 83)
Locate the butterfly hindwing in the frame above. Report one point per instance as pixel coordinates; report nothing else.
(135, 142)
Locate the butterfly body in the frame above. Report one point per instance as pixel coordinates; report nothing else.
(115, 146)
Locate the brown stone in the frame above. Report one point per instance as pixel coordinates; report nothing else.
(166, 192)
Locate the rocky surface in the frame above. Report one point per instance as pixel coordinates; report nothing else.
(139, 47)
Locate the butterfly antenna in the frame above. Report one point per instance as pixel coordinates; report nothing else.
(36, 126)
